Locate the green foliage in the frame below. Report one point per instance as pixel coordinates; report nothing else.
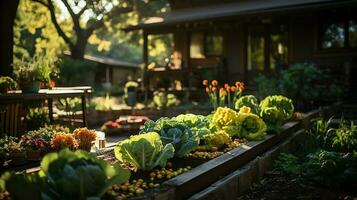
(37, 68)
(288, 164)
(266, 86)
(199, 124)
(300, 81)
(73, 71)
(242, 125)
(174, 132)
(217, 139)
(341, 139)
(250, 126)
(7, 83)
(66, 175)
(225, 119)
(329, 168)
(69, 104)
(275, 110)
(37, 117)
(144, 151)
(249, 101)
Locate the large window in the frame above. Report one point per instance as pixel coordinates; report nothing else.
(205, 45)
(160, 48)
(267, 48)
(338, 34)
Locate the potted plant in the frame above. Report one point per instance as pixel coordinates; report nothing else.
(130, 93)
(85, 138)
(61, 140)
(6, 84)
(36, 144)
(17, 153)
(30, 73)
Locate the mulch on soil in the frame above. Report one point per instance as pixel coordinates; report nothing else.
(278, 186)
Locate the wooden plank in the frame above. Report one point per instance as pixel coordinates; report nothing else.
(202, 176)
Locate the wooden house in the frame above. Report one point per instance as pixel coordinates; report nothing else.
(238, 39)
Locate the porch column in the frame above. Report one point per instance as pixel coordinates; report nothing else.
(145, 80)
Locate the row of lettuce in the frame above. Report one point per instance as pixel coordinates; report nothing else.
(80, 175)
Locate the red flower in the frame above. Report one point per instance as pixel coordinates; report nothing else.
(214, 82)
(52, 84)
(226, 86)
(205, 82)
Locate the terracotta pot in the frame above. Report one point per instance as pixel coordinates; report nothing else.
(18, 158)
(33, 155)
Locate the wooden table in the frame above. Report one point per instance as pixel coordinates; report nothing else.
(49, 94)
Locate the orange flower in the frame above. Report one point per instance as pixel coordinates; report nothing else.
(207, 89)
(233, 88)
(214, 83)
(226, 86)
(205, 82)
(85, 137)
(63, 140)
(240, 85)
(214, 89)
(222, 92)
(228, 89)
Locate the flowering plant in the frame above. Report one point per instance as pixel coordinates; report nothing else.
(85, 137)
(224, 95)
(63, 140)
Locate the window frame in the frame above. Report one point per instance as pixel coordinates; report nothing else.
(206, 34)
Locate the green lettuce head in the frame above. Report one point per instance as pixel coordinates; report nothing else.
(217, 139)
(199, 124)
(249, 101)
(275, 110)
(174, 132)
(251, 126)
(144, 151)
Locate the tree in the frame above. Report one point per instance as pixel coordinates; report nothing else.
(87, 16)
(7, 18)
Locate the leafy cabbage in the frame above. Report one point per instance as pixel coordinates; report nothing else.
(66, 175)
(251, 126)
(217, 139)
(144, 151)
(225, 119)
(174, 132)
(199, 124)
(249, 101)
(275, 110)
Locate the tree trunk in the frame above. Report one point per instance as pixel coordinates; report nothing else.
(78, 50)
(7, 19)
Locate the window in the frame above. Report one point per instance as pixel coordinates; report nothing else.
(196, 46)
(205, 45)
(339, 34)
(213, 45)
(256, 59)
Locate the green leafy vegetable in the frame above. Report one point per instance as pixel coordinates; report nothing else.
(199, 124)
(174, 132)
(225, 119)
(251, 126)
(144, 151)
(275, 110)
(66, 175)
(249, 101)
(217, 139)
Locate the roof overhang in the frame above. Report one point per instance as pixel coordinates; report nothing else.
(233, 9)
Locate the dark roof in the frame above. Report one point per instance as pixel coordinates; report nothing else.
(231, 9)
(111, 61)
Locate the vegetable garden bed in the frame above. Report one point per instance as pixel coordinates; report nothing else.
(204, 173)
